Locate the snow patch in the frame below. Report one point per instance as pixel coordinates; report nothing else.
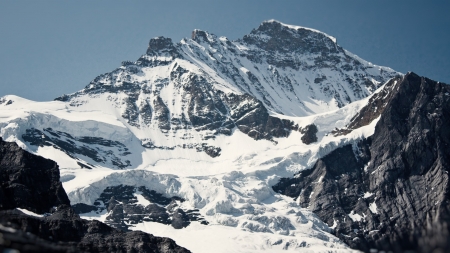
(141, 200)
(30, 213)
(373, 207)
(354, 216)
(367, 195)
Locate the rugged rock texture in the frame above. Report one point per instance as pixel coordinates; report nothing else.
(391, 191)
(64, 231)
(374, 108)
(28, 181)
(252, 118)
(213, 85)
(282, 39)
(130, 205)
(112, 153)
(32, 182)
(309, 134)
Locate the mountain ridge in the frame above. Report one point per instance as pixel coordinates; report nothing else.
(212, 84)
(187, 141)
(383, 183)
(293, 36)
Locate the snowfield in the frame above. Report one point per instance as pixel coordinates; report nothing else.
(233, 191)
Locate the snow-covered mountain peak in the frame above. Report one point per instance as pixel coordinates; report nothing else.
(213, 85)
(275, 24)
(209, 121)
(274, 36)
(203, 36)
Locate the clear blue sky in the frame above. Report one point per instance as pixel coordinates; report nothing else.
(48, 48)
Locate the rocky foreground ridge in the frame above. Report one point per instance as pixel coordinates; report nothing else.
(36, 216)
(390, 191)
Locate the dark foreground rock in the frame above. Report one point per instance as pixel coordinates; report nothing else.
(391, 191)
(32, 183)
(28, 181)
(64, 231)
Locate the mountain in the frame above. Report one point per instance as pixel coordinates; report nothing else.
(187, 141)
(389, 191)
(30, 184)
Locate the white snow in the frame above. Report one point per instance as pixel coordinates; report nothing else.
(320, 179)
(373, 207)
(141, 199)
(8, 229)
(30, 213)
(367, 195)
(354, 216)
(335, 223)
(93, 215)
(228, 239)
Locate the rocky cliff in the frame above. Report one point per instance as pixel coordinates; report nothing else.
(35, 215)
(28, 181)
(390, 191)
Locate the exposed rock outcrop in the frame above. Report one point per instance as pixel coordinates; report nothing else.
(35, 215)
(64, 231)
(28, 181)
(309, 134)
(96, 148)
(391, 191)
(129, 205)
(374, 108)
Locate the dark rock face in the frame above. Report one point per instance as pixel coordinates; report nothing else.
(64, 231)
(199, 35)
(131, 112)
(161, 114)
(98, 149)
(125, 210)
(309, 134)
(252, 118)
(212, 151)
(28, 181)
(391, 191)
(283, 39)
(374, 108)
(159, 44)
(31, 182)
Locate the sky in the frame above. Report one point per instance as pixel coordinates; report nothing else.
(50, 48)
